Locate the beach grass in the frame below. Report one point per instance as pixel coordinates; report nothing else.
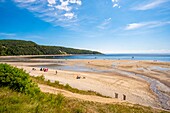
(16, 102)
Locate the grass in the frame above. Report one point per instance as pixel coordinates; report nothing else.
(56, 84)
(15, 102)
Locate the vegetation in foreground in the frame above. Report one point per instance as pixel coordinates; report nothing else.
(15, 102)
(18, 94)
(17, 79)
(21, 47)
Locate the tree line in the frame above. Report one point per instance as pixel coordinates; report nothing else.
(21, 47)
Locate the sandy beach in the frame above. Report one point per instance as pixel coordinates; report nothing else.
(142, 82)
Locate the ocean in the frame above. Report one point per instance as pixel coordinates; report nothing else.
(153, 57)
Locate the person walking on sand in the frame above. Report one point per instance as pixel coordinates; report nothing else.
(56, 72)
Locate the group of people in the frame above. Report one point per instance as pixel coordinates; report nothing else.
(44, 69)
(79, 77)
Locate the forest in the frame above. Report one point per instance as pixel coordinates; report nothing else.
(21, 47)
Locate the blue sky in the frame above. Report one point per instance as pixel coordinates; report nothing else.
(108, 26)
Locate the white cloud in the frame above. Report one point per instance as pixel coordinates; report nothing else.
(152, 24)
(115, 0)
(58, 12)
(150, 5)
(51, 1)
(69, 15)
(65, 4)
(7, 34)
(105, 24)
(75, 1)
(63, 7)
(25, 1)
(135, 26)
(163, 51)
(115, 3)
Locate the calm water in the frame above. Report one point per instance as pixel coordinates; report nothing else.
(158, 57)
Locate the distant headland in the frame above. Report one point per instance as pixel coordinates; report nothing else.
(22, 47)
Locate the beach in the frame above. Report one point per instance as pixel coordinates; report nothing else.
(141, 82)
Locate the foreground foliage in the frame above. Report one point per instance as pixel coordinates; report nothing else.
(16, 90)
(20, 47)
(17, 79)
(15, 102)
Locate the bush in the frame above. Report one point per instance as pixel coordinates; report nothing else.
(78, 110)
(41, 77)
(57, 82)
(17, 79)
(67, 86)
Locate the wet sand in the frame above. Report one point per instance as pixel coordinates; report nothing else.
(143, 82)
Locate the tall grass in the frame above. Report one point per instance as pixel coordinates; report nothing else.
(16, 102)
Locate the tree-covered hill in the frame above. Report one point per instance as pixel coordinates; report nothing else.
(21, 47)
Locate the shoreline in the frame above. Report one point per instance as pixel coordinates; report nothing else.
(95, 58)
(29, 56)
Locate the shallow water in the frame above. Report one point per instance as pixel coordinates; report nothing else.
(75, 68)
(154, 84)
(159, 68)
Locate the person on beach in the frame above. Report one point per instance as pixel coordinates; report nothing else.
(33, 69)
(41, 69)
(56, 72)
(78, 77)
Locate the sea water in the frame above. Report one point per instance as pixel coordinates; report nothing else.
(153, 57)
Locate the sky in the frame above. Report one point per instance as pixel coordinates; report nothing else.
(108, 26)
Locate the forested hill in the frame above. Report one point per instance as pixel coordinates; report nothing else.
(21, 47)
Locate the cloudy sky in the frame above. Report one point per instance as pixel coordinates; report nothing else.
(108, 26)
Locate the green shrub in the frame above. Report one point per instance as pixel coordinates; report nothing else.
(59, 102)
(57, 82)
(41, 77)
(78, 110)
(17, 79)
(67, 86)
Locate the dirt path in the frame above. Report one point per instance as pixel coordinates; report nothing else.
(52, 90)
